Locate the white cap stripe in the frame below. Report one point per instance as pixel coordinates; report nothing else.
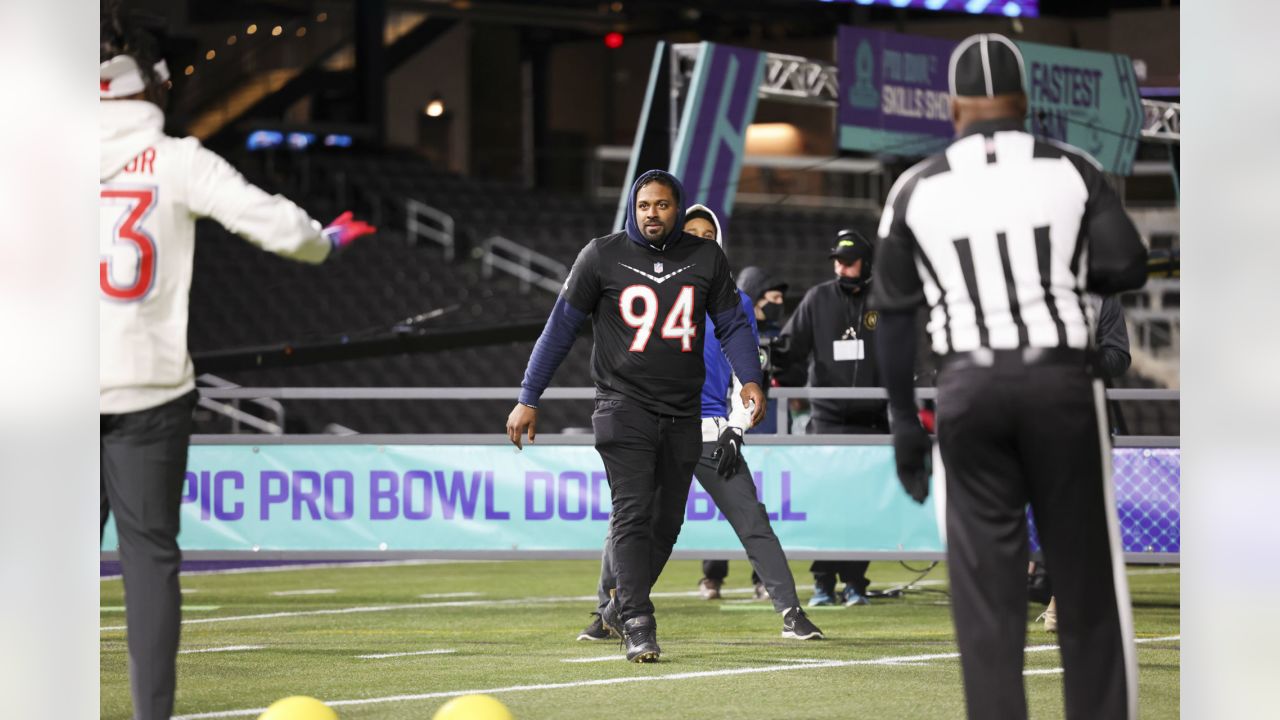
(986, 67)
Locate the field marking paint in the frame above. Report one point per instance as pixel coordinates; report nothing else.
(405, 606)
(581, 683)
(314, 591)
(316, 566)
(1049, 671)
(407, 654)
(192, 608)
(898, 660)
(228, 648)
(441, 596)
(594, 659)
(1156, 571)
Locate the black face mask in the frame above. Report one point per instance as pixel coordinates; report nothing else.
(852, 284)
(772, 313)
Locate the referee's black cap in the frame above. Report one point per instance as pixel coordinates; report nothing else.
(986, 65)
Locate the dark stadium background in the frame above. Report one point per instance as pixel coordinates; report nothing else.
(495, 113)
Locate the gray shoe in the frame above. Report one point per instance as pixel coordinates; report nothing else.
(797, 626)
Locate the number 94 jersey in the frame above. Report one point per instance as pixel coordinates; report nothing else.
(649, 311)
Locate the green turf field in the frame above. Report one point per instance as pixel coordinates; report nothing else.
(508, 629)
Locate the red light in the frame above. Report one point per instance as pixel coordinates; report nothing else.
(613, 40)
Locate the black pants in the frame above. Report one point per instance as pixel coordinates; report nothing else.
(1009, 436)
(649, 460)
(719, 569)
(736, 498)
(851, 572)
(143, 464)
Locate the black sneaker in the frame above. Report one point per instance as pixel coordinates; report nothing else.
(596, 630)
(611, 616)
(640, 634)
(797, 626)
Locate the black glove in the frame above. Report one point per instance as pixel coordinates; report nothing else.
(913, 452)
(728, 451)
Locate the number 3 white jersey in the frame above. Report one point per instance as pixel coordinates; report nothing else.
(153, 188)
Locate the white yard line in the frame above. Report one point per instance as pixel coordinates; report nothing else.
(407, 606)
(1049, 671)
(317, 566)
(594, 659)
(407, 654)
(581, 683)
(228, 648)
(440, 596)
(314, 591)
(898, 660)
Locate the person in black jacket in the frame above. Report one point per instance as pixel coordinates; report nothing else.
(833, 331)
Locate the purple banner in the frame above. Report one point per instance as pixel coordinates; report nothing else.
(893, 92)
(712, 138)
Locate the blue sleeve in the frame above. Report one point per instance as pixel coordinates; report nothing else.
(736, 336)
(750, 311)
(552, 347)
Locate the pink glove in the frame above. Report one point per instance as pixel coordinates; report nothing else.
(345, 229)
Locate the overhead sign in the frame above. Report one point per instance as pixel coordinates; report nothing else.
(893, 92)
(1087, 99)
(894, 97)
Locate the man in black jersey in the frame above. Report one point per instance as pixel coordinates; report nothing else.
(648, 290)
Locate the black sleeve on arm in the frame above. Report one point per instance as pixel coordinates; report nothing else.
(896, 353)
(797, 337)
(582, 286)
(897, 292)
(1113, 338)
(1117, 259)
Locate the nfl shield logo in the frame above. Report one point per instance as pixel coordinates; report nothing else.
(657, 267)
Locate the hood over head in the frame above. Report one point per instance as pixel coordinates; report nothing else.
(700, 210)
(126, 128)
(756, 281)
(633, 228)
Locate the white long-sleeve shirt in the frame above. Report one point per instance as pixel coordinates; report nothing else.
(153, 188)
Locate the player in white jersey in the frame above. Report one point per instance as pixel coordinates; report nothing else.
(152, 189)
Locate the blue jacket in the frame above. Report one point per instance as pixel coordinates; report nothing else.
(719, 382)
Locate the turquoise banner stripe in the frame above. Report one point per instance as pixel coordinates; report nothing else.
(366, 497)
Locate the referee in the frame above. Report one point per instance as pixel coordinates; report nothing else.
(1002, 235)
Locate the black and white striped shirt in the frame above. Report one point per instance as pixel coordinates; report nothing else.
(1001, 235)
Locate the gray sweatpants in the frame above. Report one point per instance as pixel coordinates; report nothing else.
(144, 462)
(736, 498)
